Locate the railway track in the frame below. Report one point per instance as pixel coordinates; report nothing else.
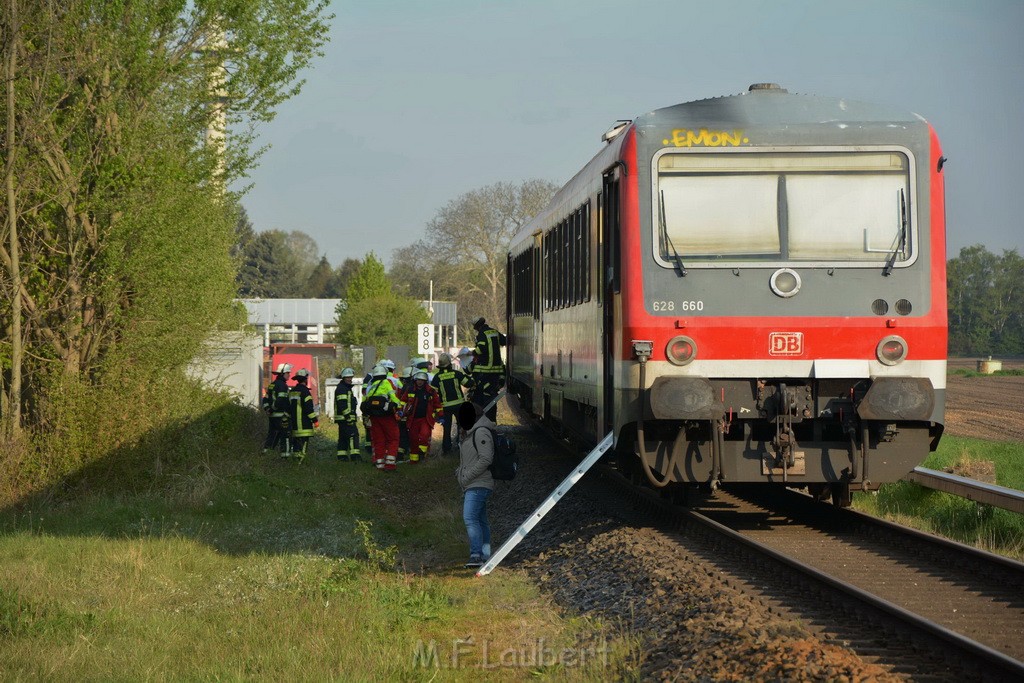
(922, 606)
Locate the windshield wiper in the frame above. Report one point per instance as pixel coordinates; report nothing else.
(902, 242)
(677, 260)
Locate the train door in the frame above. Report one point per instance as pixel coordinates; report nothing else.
(608, 243)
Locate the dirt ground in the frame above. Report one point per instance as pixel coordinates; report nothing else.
(985, 407)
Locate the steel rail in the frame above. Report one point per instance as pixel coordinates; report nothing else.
(971, 489)
(1008, 664)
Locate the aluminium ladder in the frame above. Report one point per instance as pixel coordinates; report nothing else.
(545, 507)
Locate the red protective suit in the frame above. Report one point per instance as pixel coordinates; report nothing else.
(422, 408)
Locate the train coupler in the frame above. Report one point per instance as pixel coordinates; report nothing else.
(783, 458)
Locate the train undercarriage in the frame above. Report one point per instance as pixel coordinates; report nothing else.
(832, 436)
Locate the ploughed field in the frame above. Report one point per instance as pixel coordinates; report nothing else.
(990, 407)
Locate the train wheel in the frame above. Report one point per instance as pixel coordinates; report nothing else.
(840, 495)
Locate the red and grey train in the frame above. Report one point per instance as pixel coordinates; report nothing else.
(748, 288)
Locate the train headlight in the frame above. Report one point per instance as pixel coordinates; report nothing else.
(891, 350)
(681, 350)
(785, 282)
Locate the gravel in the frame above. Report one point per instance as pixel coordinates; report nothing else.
(596, 556)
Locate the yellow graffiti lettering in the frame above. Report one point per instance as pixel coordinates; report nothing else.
(684, 137)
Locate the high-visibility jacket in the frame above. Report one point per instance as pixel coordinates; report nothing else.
(449, 382)
(275, 401)
(384, 387)
(345, 402)
(302, 410)
(488, 350)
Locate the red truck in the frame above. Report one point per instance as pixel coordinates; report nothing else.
(299, 361)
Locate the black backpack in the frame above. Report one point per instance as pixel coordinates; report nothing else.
(506, 462)
(378, 405)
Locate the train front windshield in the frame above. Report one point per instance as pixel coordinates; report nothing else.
(829, 208)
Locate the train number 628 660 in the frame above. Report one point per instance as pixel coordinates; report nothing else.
(690, 305)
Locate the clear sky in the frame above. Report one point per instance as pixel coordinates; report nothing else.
(416, 102)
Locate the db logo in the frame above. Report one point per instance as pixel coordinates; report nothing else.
(786, 343)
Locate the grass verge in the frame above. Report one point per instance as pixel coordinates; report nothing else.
(963, 520)
(249, 567)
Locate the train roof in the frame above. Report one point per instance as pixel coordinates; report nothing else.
(767, 104)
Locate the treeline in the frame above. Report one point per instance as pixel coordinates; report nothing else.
(986, 303)
(117, 227)
(462, 253)
(274, 264)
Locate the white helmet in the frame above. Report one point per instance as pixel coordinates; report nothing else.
(406, 372)
(421, 374)
(283, 368)
(347, 372)
(388, 364)
(301, 374)
(379, 371)
(465, 351)
(444, 360)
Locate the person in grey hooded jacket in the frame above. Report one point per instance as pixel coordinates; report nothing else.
(476, 452)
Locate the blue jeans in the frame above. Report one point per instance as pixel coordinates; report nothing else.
(474, 514)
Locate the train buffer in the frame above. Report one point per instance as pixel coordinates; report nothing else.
(546, 506)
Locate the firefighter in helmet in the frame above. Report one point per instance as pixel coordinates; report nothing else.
(449, 382)
(488, 366)
(275, 403)
(422, 407)
(345, 403)
(404, 381)
(303, 414)
(383, 426)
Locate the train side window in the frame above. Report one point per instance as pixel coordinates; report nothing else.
(547, 271)
(557, 256)
(563, 263)
(568, 260)
(586, 251)
(535, 255)
(556, 267)
(581, 274)
(598, 242)
(574, 259)
(522, 283)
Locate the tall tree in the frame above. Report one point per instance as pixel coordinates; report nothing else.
(371, 280)
(969, 277)
(321, 281)
(276, 264)
(125, 226)
(464, 250)
(10, 406)
(372, 314)
(304, 254)
(986, 306)
(1008, 295)
(343, 275)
